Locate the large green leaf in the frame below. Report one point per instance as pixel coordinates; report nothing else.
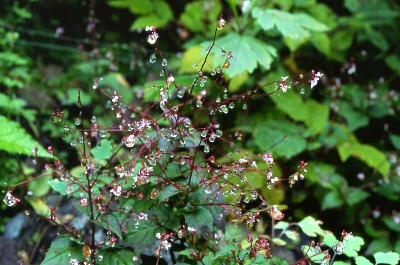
(315, 115)
(310, 226)
(15, 140)
(295, 26)
(281, 137)
(61, 251)
(198, 218)
(248, 53)
(367, 153)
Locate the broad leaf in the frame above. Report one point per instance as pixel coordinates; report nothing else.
(143, 234)
(310, 226)
(247, 51)
(198, 218)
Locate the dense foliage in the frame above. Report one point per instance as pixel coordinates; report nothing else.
(200, 132)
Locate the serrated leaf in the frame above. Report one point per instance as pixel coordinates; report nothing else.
(102, 150)
(352, 246)
(295, 26)
(15, 140)
(310, 226)
(248, 53)
(61, 251)
(391, 258)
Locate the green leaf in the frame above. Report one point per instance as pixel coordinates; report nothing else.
(40, 186)
(193, 56)
(310, 226)
(158, 17)
(197, 21)
(395, 139)
(329, 239)
(248, 53)
(391, 258)
(110, 222)
(394, 62)
(61, 251)
(313, 114)
(167, 192)
(366, 153)
(198, 218)
(290, 103)
(352, 246)
(317, 116)
(360, 260)
(331, 200)
(118, 257)
(15, 140)
(39, 206)
(355, 195)
(281, 137)
(295, 26)
(103, 150)
(63, 187)
(144, 234)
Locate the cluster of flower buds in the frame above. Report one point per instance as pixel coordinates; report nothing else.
(283, 84)
(165, 243)
(261, 245)
(116, 190)
(10, 200)
(299, 174)
(275, 213)
(153, 35)
(315, 76)
(111, 240)
(252, 218)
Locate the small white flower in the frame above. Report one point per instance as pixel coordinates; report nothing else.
(152, 37)
(73, 262)
(268, 158)
(116, 190)
(191, 229)
(315, 78)
(283, 85)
